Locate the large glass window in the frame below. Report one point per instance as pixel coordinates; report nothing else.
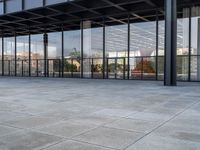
(161, 49)
(28, 4)
(72, 53)
(143, 50)
(116, 51)
(37, 55)
(195, 44)
(54, 53)
(13, 5)
(22, 56)
(1, 7)
(183, 46)
(9, 56)
(143, 39)
(92, 50)
(55, 45)
(49, 2)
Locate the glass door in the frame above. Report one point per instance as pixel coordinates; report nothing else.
(116, 68)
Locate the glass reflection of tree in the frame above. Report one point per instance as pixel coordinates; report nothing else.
(75, 53)
(75, 56)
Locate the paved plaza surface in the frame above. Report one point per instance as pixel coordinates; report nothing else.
(81, 114)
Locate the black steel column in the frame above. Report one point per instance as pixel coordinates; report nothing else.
(170, 42)
(63, 58)
(81, 49)
(44, 2)
(15, 55)
(45, 36)
(3, 55)
(4, 6)
(190, 52)
(128, 48)
(157, 43)
(22, 68)
(104, 48)
(29, 47)
(23, 4)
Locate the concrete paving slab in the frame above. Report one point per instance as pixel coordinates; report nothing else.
(154, 142)
(68, 129)
(74, 145)
(133, 125)
(5, 130)
(110, 137)
(27, 140)
(148, 116)
(32, 122)
(98, 114)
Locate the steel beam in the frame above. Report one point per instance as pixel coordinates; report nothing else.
(170, 42)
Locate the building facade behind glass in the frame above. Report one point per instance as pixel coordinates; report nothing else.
(42, 39)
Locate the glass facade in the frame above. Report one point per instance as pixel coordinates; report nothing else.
(72, 54)
(116, 53)
(143, 43)
(183, 48)
(195, 44)
(37, 55)
(49, 2)
(54, 54)
(129, 49)
(161, 49)
(9, 56)
(1, 7)
(18, 5)
(28, 4)
(92, 50)
(13, 5)
(22, 52)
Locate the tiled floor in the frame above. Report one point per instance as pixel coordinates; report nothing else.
(80, 114)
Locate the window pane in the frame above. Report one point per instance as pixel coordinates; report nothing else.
(37, 55)
(13, 5)
(195, 44)
(48, 2)
(143, 46)
(28, 4)
(92, 50)
(116, 51)
(22, 56)
(54, 53)
(143, 39)
(9, 56)
(72, 53)
(183, 45)
(161, 49)
(55, 45)
(1, 7)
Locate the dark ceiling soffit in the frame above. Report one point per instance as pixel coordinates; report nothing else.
(38, 19)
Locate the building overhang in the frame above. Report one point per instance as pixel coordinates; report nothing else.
(67, 16)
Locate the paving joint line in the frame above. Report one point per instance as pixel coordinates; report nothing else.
(195, 103)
